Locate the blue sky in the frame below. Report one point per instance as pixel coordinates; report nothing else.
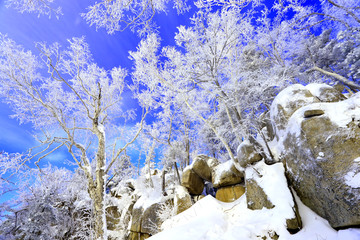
(108, 51)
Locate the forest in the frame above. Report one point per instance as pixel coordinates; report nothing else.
(207, 94)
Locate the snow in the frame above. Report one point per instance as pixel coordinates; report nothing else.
(219, 171)
(352, 179)
(272, 180)
(287, 94)
(101, 128)
(212, 162)
(181, 191)
(315, 88)
(210, 219)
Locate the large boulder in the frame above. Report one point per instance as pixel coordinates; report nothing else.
(136, 218)
(246, 154)
(256, 198)
(151, 222)
(296, 96)
(325, 93)
(267, 187)
(192, 181)
(287, 102)
(230, 193)
(112, 217)
(201, 167)
(145, 218)
(182, 199)
(322, 154)
(226, 174)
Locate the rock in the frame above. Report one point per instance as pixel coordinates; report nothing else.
(126, 215)
(201, 167)
(212, 162)
(226, 174)
(322, 159)
(182, 199)
(198, 198)
(145, 220)
(192, 181)
(294, 224)
(230, 193)
(261, 193)
(246, 154)
(136, 218)
(256, 198)
(138, 236)
(325, 93)
(287, 102)
(112, 217)
(313, 113)
(266, 126)
(151, 222)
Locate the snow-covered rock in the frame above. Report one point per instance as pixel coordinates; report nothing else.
(266, 187)
(246, 154)
(145, 219)
(226, 174)
(182, 199)
(320, 144)
(325, 93)
(287, 102)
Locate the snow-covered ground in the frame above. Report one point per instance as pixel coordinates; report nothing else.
(211, 219)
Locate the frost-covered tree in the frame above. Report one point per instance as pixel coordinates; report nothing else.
(216, 74)
(73, 102)
(113, 15)
(334, 53)
(53, 204)
(40, 7)
(118, 15)
(326, 43)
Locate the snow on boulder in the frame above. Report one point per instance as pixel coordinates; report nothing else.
(325, 93)
(226, 174)
(145, 220)
(266, 187)
(246, 154)
(321, 151)
(182, 199)
(287, 102)
(296, 96)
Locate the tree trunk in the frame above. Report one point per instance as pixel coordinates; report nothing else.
(177, 173)
(163, 182)
(99, 191)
